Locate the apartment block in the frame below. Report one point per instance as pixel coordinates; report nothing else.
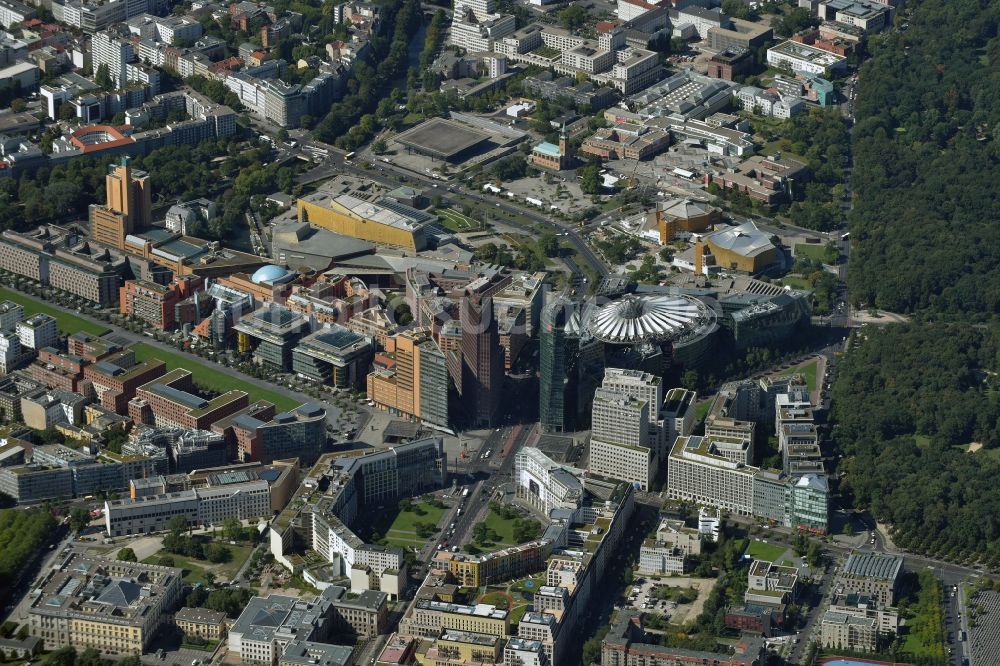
(199, 506)
(37, 331)
(168, 402)
(699, 473)
(117, 378)
(161, 306)
(628, 643)
(771, 585)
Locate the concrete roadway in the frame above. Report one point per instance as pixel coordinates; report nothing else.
(456, 192)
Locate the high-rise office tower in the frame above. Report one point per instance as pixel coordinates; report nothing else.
(557, 359)
(482, 360)
(129, 205)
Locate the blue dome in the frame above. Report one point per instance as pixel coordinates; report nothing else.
(269, 273)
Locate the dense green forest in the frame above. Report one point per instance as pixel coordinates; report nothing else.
(21, 533)
(908, 401)
(926, 147)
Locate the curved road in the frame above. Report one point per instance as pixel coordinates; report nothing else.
(455, 192)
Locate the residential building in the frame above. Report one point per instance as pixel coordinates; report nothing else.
(12, 355)
(627, 643)
(699, 473)
(496, 566)
(794, 57)
(116, 378)
(168, 401)
(13, 12)
(771, 585)
(843, 631)
(38, 331)
(162, 306)
(10, 314)
(114, 607)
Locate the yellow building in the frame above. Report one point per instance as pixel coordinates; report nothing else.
(463, 647)
(115, 607)
(684, 215)
(427, 618)
(128, 206)
(382, 221)
(201, 622)
(742, 249)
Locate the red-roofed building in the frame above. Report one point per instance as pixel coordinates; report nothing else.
(93, 139)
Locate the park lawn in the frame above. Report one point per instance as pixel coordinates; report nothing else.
(222, 379)
(796, 282)
(701, 410)
(498, 599)
(240, 554)
(455, 221)
(808, 372)
(194, 571)
(518, 613)
(403, 531)
(503, 528)
(66, 322)
(765, 551)
(814, 251)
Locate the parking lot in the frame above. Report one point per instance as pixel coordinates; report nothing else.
(641, 597)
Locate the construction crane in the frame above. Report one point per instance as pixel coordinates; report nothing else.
(631, 178)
